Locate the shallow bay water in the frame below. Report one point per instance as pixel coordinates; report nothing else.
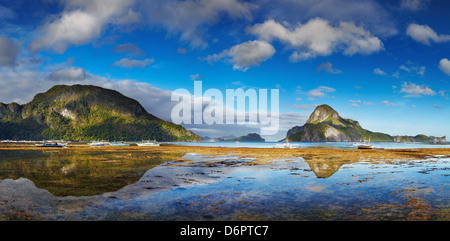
(146, 185)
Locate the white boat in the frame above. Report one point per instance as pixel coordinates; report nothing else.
(118, 144)
(365, 146)
(99, 143)
(286, 145)
(51, 144)
(148, 143)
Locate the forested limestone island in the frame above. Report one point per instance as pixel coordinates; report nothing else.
(85, 113)
(326, 125)
(251, 137)
(420, 138)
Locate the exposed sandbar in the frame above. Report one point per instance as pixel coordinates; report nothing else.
(267, 154)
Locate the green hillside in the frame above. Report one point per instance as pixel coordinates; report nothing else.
(251, 137)
(325, 124)
(85, 113)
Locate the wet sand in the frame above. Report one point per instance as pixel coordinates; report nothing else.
(217, 183)
(264, 155)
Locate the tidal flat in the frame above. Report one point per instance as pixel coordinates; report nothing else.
(184, 183)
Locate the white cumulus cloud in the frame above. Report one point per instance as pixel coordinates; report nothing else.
(379, 71)
(444, 66)
(424, 34)
(369, 13)
(318, 37)
(387, 103)
(414, 5)
(8, 52)
(190, 17)
(245, 55)
(328, 67)
(79, 23)
(413, 90)
(69, 74)
(319, 92)
(133, 63)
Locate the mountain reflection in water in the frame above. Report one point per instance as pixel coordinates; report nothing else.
(115, 185)
(324, 169)
(79, 173)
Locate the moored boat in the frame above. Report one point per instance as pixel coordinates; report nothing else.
(365, 146)
(51, 144)
(148, 143)
(99, 143)
(118, 144)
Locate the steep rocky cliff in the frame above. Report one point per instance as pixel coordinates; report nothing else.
(325, 124)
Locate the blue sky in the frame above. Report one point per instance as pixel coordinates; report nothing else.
(383, 63)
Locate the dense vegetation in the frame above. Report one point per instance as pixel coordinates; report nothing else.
(252, 137)
(85, 113)
(80, 173)
(324, 118)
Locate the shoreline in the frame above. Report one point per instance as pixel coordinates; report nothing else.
(263, 154)
(117, 179)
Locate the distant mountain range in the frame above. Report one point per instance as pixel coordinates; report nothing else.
(85, 113)
(325, 124)
(251, 137)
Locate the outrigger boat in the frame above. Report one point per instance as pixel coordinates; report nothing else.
(99, 143)
(287, 145)
(365, 146)
(51, 144)
(148, 143)
(118, 144)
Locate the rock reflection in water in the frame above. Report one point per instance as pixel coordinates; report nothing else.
(324, 169)
(79, 173)
(228, 187)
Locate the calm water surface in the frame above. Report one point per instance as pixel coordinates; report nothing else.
(306, 145)
(70, 185)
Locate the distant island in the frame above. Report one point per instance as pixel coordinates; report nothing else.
(85, 113)
(420, 138)
(251, 137)
(88, 113)
(326, 125)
